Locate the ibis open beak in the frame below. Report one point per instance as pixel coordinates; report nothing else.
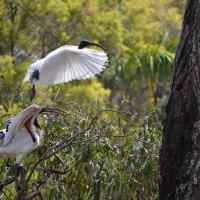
(36, 123)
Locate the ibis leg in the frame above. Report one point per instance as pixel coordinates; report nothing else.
(33, 92)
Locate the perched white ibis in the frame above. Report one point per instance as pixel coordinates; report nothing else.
(23, 133)
(67, 63)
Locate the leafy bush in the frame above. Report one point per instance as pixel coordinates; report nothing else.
(91, 153)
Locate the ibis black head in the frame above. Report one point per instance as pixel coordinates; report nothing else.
(85, 43)
(2, 135)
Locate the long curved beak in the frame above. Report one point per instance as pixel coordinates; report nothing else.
(53, 110)
(98, 45)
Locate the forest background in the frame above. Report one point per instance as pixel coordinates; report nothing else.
(113, 128)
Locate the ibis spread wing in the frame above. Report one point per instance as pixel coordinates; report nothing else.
(12, 128)
(67, 63)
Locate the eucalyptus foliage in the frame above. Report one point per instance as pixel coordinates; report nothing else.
(91, 153)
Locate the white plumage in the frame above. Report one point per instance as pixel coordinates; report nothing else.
(67, 63)
(21, 136)
(64, 64)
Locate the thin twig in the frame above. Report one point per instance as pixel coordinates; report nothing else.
(70, 140)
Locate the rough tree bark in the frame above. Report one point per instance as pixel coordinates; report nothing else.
(180, 151)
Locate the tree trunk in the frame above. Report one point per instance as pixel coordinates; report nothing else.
(180, 152)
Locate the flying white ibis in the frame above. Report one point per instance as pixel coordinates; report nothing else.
(67, 63)
(23, 133)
